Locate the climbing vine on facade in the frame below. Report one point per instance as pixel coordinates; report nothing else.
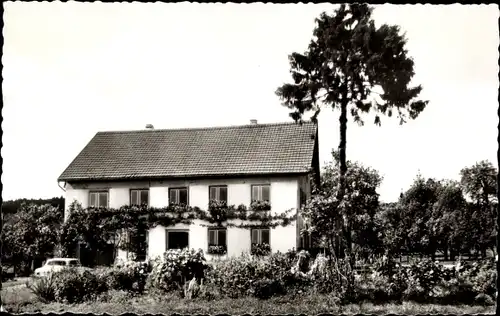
(96, 228)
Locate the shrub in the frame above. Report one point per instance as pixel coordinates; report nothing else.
(129, 276)
(247, 276)
(43, 288)
(423, 276)
(74, 286)
(176, 267)
(217, 250)
(266, 288)
(261, 250)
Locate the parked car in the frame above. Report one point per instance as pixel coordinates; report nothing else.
(58, 264)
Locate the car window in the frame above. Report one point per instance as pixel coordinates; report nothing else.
(73, 263)
(56, 263)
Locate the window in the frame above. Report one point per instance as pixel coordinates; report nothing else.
(177, 239)
(178, 196)
(217, 237)
(260, 192)
(73, 263)
(56, 263)
(139, 197)
(260, 236)
(218, 193)
(98, 199)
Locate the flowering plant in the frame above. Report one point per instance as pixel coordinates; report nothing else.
(217, 249)
(260, 249)
(260, 206)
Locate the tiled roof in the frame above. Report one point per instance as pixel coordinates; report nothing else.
(198, 152)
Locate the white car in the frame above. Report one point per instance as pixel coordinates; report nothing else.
(57, 264)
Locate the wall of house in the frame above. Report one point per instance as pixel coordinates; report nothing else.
(284, 195)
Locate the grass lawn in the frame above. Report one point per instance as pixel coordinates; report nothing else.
(19, 299)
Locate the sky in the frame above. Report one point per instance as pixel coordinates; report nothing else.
(73, 69)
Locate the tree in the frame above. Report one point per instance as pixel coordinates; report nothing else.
(447, 219)
(31, 234)
(348, 62)
(361, 200)
(417, 205)
(389, 228)
(480, 184)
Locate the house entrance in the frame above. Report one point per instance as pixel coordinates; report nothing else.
(177, 239)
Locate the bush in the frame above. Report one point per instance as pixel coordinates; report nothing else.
(260, 250)
(43, 288)
(267, 288)
(130, 276)
(176, 267)
(74, 286)
(424, 276)
(247, 276)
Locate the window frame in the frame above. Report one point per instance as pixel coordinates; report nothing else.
(174, 230)
(259, 235)
(139, 196)
(97, 192)
(178, 195)
(219, 186)
(217, 229)
(260, 192)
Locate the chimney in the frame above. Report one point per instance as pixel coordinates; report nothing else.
(149, 126)
(253, 122)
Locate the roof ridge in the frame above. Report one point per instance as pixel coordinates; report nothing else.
(204, 128)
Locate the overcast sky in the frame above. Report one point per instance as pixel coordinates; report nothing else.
(73, 69)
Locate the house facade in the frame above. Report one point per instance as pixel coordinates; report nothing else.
(235, 164)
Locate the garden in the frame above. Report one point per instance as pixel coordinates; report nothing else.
(183, 281)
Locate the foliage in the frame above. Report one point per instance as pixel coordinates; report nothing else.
(360, 200)
(74, 286)
(245, 275)
(349, 60)
(352, 65)
(479, 182)
(129, 277)
(176, 267)
(31, 233)
(260, 249)
(217, 250)
(260, 206)
(95, 228)
(13, 206)
(43, 288)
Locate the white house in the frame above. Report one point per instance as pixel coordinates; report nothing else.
(237, 164)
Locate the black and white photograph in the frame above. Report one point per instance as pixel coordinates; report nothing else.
(257, 158)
